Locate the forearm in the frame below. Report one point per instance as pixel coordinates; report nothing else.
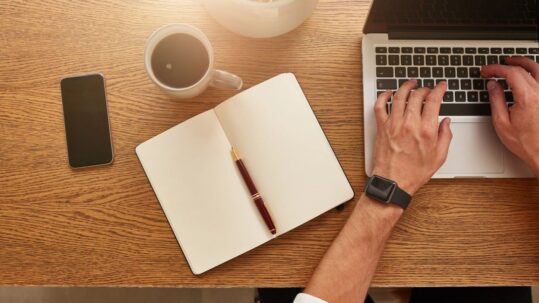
(346, 270)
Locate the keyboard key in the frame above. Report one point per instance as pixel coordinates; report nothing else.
(381, 59)
(533, 50)
(440, 80)
(465, 84)
(521, 50)
(462, 72)
(472, 97)
(394, 50)
(430, 59)
(419, 60)
(470, 50)
(393, 59)
(424, 72)
(386, 84)
(406, 59)
(461, 109)
(502, 60)
(402, 81)
(537, 59)
(529, 57)
(467, 60)
(509, 96)
(437, 72)
(455, 60)
(483, 50)
(400, 72)
(443, 60)
(465, 109)
(406, 50)
(478, 84)
(453, 84)
(492, 59)
(384, 72)
(460, 96)
(475, 72)
(495, 50)
(413, 72)
(419, 83)
(503, 83)
(480, 60)
(380, 50)
(483, 96)
(432, 50)
(445, 50)
(508, 50)
(450, 72)
(448, 97)
(419, 50)
(428, 83)
(458, 50)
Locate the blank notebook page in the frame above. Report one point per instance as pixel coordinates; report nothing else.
(285, 151)
(201, 192)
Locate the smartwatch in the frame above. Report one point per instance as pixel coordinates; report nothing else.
(386, 191)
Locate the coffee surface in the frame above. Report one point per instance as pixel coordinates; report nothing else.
(179, 60)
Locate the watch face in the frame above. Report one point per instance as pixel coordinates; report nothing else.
(381, 188)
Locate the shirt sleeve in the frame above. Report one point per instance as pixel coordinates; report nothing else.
(305, 298)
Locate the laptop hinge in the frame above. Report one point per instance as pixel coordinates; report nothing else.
(462, 35)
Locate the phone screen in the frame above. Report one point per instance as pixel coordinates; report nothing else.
(86, 120)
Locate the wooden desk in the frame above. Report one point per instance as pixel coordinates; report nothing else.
(104, 226)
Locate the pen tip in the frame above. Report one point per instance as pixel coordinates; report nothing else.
(235, 153)
(273, 231)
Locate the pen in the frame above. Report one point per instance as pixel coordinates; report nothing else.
(254, 192)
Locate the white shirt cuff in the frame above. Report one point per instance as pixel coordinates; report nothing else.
(305, 298)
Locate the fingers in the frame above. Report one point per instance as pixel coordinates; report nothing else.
(399, 100)
(431, 110)
(415, 102)
(498, 105)
(380, 107)
(516, 77)
(444, 139)
(529, 65)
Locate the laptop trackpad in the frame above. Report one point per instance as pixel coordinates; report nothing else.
(475, 150)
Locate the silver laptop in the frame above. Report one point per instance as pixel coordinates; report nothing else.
(434, 40)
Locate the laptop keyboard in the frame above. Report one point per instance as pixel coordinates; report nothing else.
(460, 66)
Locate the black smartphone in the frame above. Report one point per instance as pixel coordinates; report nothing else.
(86, 120)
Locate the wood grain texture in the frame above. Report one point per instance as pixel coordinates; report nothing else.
(103, 226)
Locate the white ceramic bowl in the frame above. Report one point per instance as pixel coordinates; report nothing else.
(258, 18)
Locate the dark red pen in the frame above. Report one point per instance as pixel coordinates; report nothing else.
(254, 192)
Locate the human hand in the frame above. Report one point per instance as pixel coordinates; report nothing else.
(518, 125)
(410, 143)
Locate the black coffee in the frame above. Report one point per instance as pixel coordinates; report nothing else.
(179, 60)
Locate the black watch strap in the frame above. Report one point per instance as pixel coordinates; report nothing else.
(386, 191)
(401, 198)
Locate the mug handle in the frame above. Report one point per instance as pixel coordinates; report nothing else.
(225, 80)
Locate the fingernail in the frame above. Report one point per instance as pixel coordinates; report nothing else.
(491, 85)
(448, 120)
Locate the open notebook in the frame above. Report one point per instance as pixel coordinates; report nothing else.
(204, 198)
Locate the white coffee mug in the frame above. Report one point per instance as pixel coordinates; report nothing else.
(213, 77)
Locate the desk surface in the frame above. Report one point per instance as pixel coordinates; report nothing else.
(104, 226)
